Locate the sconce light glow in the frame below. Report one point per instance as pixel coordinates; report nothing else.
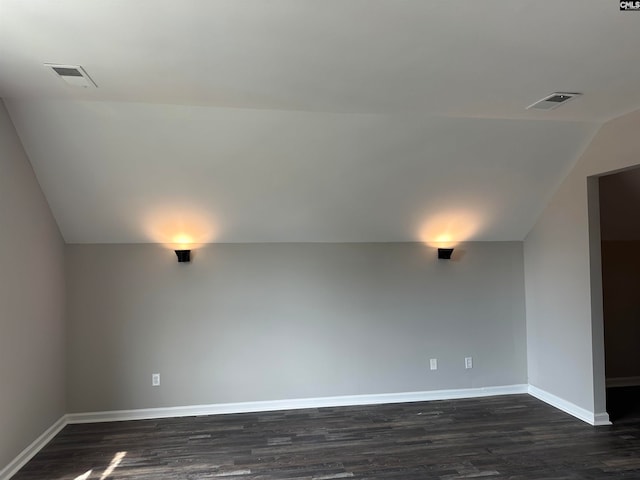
(447, 230)
(180, 229)
(446, 240)
(182, 241)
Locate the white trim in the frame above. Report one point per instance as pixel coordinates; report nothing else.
(591, 418)
(28, 453)
(623, 382)
(600, 419)
(293, 404)
(264, 406)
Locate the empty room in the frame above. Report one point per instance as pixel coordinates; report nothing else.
(319, 239)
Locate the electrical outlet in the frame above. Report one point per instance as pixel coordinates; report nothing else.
(433, 363)
(468, 362)
(155, 379)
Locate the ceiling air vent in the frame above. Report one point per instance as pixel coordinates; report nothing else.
(553, 101)
(74, 75)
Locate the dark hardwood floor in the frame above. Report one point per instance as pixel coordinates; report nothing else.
(509, 437)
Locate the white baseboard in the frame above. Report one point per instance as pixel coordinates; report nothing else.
(623, 382)
(293, 404)
(595, 419)
(28, 453)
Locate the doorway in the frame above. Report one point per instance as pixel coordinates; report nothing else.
(619, 199)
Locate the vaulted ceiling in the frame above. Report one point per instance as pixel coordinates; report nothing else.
(310, 120)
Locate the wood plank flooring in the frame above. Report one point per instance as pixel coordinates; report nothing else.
(508, 437)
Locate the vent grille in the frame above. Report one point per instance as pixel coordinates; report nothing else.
(553, 101)
(73, 75)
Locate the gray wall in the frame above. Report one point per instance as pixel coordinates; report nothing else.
(32, 337)
(565, 344)
(250, 322)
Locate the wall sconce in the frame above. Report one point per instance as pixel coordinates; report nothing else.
(184, 256)
(445, 253)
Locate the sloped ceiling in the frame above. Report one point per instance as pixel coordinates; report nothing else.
(301, 120)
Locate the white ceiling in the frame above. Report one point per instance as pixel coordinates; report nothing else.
(310, 120)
